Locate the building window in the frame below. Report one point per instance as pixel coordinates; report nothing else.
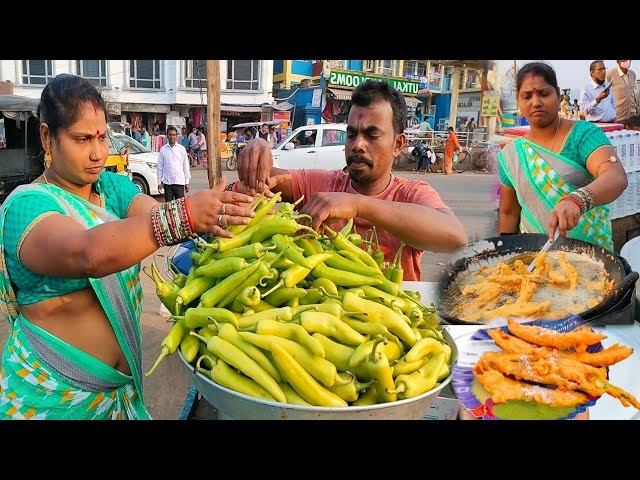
(37, 72)
(144, 74)
(93, 70)
(369, 65)
(243, 74)
(338, 64)
(414, 68)
(195, 72)
(387, 67)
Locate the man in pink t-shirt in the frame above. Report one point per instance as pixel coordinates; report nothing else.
(402, 210)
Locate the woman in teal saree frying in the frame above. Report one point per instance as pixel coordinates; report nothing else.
(72, 297)
(562, 173)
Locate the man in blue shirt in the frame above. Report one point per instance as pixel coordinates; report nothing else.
(596, 98)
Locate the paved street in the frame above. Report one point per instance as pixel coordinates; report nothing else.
(467, 194)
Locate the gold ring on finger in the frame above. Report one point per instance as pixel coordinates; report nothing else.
(224, 205)
(220, 219)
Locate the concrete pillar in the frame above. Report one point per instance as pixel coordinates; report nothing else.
(441, 77)
(455, 93)
(286, 70)
(465, 77)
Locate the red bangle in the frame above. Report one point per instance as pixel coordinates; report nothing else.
(186, 204)
(574, 200)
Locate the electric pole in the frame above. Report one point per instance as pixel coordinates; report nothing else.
(214, 165)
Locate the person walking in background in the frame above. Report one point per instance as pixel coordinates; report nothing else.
(624, 87)
(471, 125)
(272, 138)
(201, 145)
(596, 101)
(71, 296)
(174, 173)
(136, 134)
(264, 131)
(562, 173)
(145, 137)
(451, 149)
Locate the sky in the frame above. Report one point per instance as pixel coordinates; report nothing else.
(571, 74)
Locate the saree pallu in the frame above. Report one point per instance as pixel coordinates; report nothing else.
(541, 178)
(43, 377)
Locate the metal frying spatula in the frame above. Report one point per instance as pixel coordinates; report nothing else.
(557, 240)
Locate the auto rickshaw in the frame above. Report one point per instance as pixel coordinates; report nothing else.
(236, 147)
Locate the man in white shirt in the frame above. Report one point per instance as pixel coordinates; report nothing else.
(596, 101)
(173, 167)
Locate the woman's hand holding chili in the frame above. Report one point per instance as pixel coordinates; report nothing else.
(212, 211)
(565, 216)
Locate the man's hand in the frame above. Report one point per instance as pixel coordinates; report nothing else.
(602, 95)
(160, 188)
(254, 165)
(186, 189)
(565, 216)
(331, 206)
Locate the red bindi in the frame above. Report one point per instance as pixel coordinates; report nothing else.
(360, 116)
(95, 110)
(97, 133)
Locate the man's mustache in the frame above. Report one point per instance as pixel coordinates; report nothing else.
(356, 157)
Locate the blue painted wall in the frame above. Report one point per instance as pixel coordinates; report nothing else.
(443, 108)
(355, 65)
(278, 66)
(301, 67)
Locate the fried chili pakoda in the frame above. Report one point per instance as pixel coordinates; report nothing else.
(578, 339)
(504, 389)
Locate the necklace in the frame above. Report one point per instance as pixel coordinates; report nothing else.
(100, 201)
(555, 135)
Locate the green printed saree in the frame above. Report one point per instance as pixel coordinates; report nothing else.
(43, 377)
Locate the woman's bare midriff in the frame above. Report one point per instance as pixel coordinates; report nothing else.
(78, 319)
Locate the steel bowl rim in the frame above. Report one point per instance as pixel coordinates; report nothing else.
(313, 408)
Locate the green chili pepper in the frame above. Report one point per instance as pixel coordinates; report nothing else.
(166, 291)
(420, 381)
(312, 296)
(231, 335)
(290, 249)
(394, 271)
(179, 278)
(341, 243)
(281, 263)
(284, 314)
(170, 343)
(250, 296)
(349, 391)
(378, 313)
(392, 350)
(290, 331)
(284, 226)
(283, 295)
(222, 374)
(380, 370)
(254, 250)
(331, 326)
(343, 278)
(212, 296)
(369, 397)
(302, 382)
(202, 316)
(341, 263)
(237, 358)
(347, 228)
(335, 352)
(319, 368)
(325, 283)
(222, 268)
(189, 346)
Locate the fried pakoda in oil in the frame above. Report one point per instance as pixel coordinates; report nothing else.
(525, 309)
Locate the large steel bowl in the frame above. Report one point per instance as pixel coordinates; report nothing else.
(232, 405)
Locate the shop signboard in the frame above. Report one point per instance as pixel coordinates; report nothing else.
(284, 117)
(490, 101)
(339, 78)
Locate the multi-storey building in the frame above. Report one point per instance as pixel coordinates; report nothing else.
(157, 92)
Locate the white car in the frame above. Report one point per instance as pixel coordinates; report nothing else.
(313, 146)
(142, 163)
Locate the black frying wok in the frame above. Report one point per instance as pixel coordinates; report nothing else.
(492, 251)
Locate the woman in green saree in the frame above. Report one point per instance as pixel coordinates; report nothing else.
(72, 298)
(562, 173)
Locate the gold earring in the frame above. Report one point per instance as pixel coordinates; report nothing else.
(47, 159)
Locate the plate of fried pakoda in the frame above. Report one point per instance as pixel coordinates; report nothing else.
(548, 370)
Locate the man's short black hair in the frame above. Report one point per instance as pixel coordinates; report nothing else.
(372, 90)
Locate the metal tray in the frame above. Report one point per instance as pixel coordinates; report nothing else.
(232, 405)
